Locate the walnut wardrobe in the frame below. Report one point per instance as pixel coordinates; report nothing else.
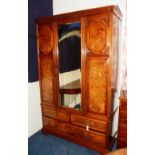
(78, 60)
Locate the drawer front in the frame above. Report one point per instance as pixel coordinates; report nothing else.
(92, 123)
(63, 116)
(90, 136)
(97, 138)
(63, 128)
(49, 123)
(78, 132)
(56, 125)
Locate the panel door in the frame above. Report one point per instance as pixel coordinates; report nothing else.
(97, 63)
(45, 59)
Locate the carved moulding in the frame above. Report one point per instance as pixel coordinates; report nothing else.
(45, 39)
(97, 36)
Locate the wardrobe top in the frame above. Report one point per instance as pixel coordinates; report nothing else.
(71, 15)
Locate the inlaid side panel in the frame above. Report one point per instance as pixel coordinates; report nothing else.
(97, 85)
(45, 39)
(46, 77)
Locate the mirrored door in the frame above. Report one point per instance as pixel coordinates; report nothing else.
(69, 47)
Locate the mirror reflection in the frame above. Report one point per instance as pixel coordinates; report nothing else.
(69, 45)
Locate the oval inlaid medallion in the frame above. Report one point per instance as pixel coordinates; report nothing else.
(96, 36)
(45, 40)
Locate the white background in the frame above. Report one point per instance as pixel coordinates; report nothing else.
(14, 82)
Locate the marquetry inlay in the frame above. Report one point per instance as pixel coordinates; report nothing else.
(45, 39)
(46, 78)
(97, 85)
(97, 36)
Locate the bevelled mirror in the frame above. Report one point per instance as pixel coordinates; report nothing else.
(69, 47)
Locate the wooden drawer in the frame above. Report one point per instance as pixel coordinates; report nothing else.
(56, 125)
(90, 136)
(63, 116)
(96, 137)
(49, 123)
(63, 128)
(92, 123)
(77, 132)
